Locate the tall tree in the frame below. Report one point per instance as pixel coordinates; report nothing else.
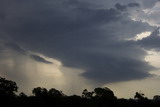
(55, 93)
(139, 96)
(40, 92)
(104, 93)
(87, 94)
(7, 87)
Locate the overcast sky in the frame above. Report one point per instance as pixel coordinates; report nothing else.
(76, 44)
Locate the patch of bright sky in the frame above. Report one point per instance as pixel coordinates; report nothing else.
(128, 89)
(153, 59)
(142, 35)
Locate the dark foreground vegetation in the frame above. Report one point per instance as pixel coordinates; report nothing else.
(100, 97)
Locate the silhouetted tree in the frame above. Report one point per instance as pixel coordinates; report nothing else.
(104, 93)
(40, 92)
(139, 96)
(7, 87)
(86, 94)
(156, 98)
(22, 94)
(55, 93)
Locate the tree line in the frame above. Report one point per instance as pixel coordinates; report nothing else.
(100, 97)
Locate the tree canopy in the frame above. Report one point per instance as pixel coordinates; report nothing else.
(104, 93)
(7, 87)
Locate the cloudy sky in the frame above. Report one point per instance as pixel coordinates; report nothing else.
(76, 44)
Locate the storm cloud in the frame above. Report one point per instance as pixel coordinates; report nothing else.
(79, 35)
(151, 42)
(124, 7)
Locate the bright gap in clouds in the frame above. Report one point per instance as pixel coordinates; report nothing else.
(142, 35)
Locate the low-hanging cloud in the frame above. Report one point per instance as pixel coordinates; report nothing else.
(40, 59)
(20, 50)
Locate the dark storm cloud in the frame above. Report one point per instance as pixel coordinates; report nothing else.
(144, 4)
(2, 16)
(120, 7)
(16, 48)
(40, 59)
(133, 5)
(124, 7)
(79, 36)
(119, 68)
(152, 41)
